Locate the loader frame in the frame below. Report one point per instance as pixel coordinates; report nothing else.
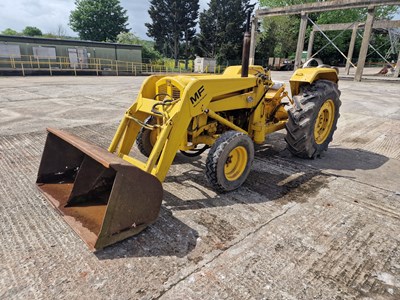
(106, 198)
(189, 110)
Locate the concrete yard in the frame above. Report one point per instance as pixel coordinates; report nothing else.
(327, 228)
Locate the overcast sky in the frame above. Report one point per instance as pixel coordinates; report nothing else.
(48, 14)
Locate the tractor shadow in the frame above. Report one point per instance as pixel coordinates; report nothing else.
(168, 236)
(336, 158)
(276, 176)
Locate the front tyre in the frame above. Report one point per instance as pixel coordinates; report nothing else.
(147, 138)
(229, 161)
(312, 119)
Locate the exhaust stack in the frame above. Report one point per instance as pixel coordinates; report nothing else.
(246, 43)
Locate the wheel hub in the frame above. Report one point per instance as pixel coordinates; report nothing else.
(235, 163)
(324, 121)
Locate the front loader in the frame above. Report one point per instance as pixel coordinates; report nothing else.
(107, 196)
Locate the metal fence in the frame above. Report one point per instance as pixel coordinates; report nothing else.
(26, 64)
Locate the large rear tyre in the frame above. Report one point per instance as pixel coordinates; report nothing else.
(229, 161)
(312, 119)
(147, 138)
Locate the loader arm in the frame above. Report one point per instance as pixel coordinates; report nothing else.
(197, 94)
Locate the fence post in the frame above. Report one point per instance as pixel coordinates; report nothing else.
(75, 69)
(51, 73)
(22, 67)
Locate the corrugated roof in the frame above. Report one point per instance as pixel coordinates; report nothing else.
(56, 41)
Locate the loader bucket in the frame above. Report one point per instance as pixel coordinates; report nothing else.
(102, 197)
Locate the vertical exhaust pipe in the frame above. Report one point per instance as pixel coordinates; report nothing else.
(246, 42)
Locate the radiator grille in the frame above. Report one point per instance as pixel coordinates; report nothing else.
(162, 89)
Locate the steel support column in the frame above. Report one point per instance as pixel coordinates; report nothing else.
(351, 48)
(300, 40)
(253, 41)
(397, 69)
(310, 44)
(365, 43)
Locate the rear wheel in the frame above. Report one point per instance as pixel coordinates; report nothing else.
(147, 138)
(229, 161)
(312, 119)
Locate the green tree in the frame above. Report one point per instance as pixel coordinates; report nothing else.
(9, 31)
(32, 31)
(222, 28)
(266, 42)
(128, 38)
(98, 20)
(207, 38)
(149, 54)
(190, 31)
(285, 31)
(172, 22)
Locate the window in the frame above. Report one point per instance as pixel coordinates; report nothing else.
(44, 52)
(10, 51)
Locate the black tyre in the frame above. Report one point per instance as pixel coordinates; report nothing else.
(229, 161)
(146, 138)
(312, 119)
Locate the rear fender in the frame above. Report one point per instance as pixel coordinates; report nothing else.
(309, 75)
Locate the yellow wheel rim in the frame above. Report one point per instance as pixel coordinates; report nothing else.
(235, 163)
(324, 122)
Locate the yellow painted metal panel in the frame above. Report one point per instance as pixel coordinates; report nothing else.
(309, 75)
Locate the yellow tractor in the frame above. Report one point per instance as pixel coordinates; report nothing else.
(107, 196)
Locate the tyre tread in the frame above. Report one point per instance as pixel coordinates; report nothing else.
(299, 128)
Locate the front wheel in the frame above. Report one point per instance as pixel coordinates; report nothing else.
(312, 119)
(229, 161)
(147, 138)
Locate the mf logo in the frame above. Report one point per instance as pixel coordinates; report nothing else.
(197, 96)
